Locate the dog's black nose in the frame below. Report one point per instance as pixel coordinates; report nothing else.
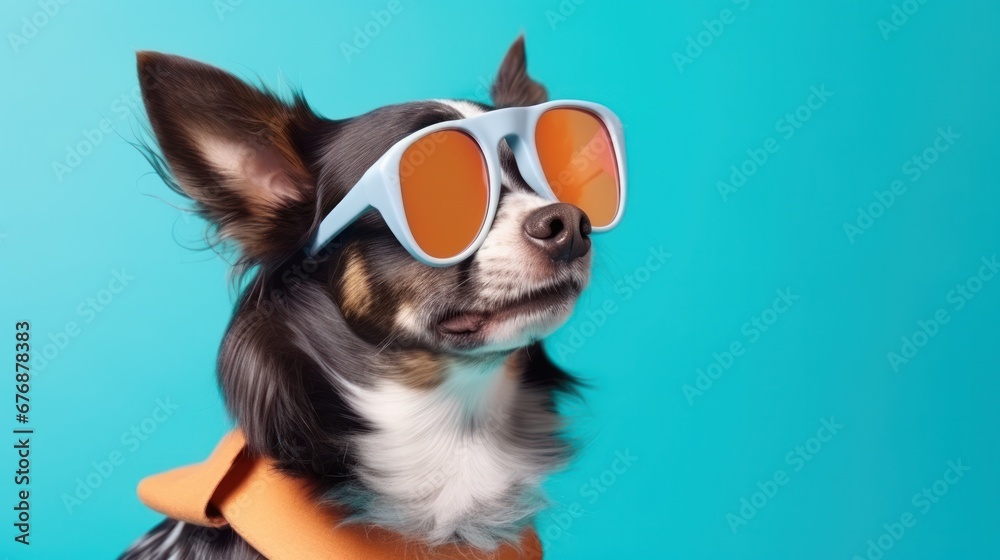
(561, 229)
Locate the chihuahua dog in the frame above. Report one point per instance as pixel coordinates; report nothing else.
(417, 397)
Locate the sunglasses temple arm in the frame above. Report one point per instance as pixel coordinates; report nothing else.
(343, 214)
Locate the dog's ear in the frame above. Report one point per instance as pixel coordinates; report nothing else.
(232, 148)
(513, 86)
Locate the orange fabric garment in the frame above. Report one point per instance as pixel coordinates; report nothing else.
(275, 513)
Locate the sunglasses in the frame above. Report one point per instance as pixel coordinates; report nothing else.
(438, 189)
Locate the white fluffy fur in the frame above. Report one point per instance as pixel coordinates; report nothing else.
(442, 461)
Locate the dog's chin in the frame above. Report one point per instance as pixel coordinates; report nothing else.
(490, 327)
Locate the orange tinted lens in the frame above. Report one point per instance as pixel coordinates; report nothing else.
(578, 159)
(445, 188)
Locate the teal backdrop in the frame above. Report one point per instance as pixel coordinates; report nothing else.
(792, 337)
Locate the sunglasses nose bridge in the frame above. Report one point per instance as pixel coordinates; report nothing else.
(511, 140)
(517, 143)
(527, 163)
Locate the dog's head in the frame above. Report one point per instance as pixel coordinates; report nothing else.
(264, 171)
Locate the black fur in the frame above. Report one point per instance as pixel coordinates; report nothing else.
(190, 542)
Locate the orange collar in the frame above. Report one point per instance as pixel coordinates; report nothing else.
(275, 513)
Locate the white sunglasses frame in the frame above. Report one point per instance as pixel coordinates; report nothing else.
(379, 187)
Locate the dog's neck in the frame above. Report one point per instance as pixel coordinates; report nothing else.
(461, 460)
(440, 456)
(436, 447)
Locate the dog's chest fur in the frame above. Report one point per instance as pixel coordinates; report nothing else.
(463, 459)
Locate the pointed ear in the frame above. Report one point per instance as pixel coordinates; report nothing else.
(233, 149)
(513, 86)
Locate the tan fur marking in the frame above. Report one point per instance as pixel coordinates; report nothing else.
(515, 364)
(419, 369)
(355, 289)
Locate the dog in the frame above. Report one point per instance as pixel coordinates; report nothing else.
(419, 398)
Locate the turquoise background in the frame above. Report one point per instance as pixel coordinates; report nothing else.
(694, 459)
